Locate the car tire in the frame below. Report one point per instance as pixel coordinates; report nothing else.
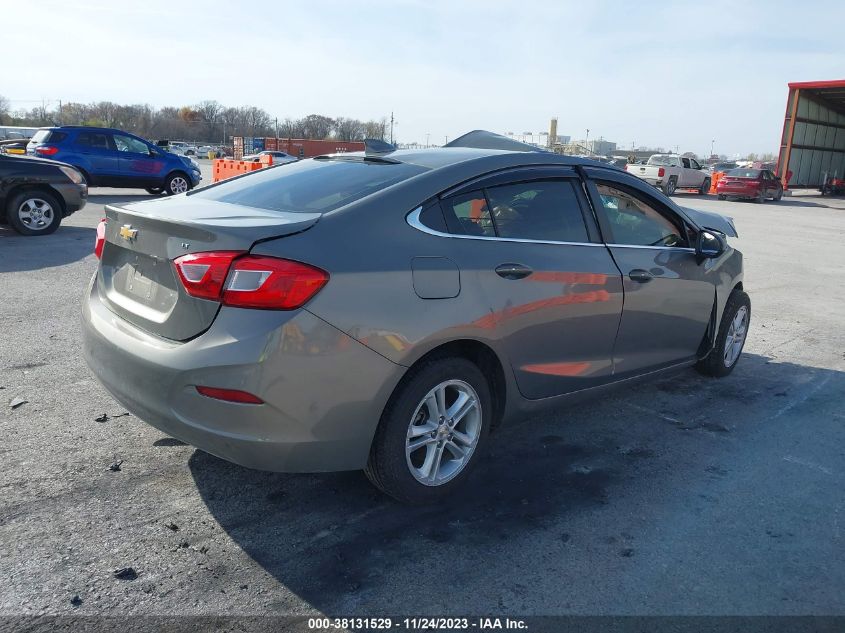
(670, 186)
(779, 195)
(153, 190)
(722, 196)
(416, 416)
(705, 187)
(732, 332)
(760, 199)
(34, 212)
(177, 183)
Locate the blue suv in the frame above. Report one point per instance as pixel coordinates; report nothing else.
(113, 158)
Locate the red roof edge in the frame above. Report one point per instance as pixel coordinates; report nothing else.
(816, 85)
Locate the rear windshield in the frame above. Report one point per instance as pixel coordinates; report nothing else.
(310, 186)
(744, 173)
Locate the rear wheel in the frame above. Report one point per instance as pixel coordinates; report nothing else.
(431, 432)
(34, 213)
(670, 186)
(705, 187)
(779, 194)
(722, 196)
(730, 339)
(176, 183)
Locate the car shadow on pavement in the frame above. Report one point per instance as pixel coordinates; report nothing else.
(332, 538)
(21, 252)
(123, 198)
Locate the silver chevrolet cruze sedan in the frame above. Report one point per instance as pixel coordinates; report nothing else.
(386, 310)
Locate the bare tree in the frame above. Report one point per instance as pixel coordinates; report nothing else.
(317, 126)
(292, 128)
(376, 129)
(4, 108)
(348, 129)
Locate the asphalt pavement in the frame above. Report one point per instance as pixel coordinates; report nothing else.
(690, 495)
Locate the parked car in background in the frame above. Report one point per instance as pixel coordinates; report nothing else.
(722, 167)
(180, 148)
(112, 158)
(318, 317)
(279, 158)
(753, 184)
(35, 193)
(669, 172)
(14, 146)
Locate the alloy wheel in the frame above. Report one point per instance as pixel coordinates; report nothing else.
(178, 185)
(736, 336)
(443, 432)
(36, 214)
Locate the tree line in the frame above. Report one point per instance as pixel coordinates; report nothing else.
(208, 121)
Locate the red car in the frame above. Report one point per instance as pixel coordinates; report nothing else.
(755, 184)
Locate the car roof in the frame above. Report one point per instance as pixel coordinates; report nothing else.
(438, 157)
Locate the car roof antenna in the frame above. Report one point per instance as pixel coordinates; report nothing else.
(377, 146)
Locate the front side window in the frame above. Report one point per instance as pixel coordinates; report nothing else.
(542, 210)
(129, 144)
(633, 221)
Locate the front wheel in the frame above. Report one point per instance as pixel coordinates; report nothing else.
(154, 190)
(779, 194)
(176, 184)
(705, 187)
(431, 432)
(34, 213)
(722, 196)
(730, 339)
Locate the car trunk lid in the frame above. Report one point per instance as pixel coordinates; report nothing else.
(137, 279)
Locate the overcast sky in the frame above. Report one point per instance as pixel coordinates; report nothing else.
(654, 73)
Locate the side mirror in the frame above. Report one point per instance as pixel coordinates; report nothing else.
(709, 245)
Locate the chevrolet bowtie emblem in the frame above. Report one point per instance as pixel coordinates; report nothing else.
(127, 232)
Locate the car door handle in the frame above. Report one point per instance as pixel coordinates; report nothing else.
(513, 271)
(640, 276)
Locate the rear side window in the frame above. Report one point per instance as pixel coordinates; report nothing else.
(49, 136)
(97, 140)
(468, 214)
(310, 186)
(541, 210)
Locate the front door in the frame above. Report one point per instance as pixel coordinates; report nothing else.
(138, 167)
(669, 295)
(554, 293)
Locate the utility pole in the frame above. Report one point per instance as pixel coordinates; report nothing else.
(712, 143)
(277, 127)
(587, 140)
(391, 127)
(427, 134)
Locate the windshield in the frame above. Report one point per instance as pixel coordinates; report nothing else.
(663, 160)
(310, 186)
(744, 173)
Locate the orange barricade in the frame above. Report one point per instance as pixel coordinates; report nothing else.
(715, 177)
(228, 167)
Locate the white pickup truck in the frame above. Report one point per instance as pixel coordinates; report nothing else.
(669, 172)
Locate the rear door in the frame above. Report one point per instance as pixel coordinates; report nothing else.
(555, 294)
(669, 295)
(98, 151)
(138, 168)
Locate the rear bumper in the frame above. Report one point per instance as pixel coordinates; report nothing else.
(323, 391)
(737, 192)
(74, 196)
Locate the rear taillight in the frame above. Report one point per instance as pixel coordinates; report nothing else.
(100, 240)
(46, 150)
(249, 281)
(661, 172)
(203, 274)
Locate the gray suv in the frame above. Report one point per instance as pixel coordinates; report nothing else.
(386, 310)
